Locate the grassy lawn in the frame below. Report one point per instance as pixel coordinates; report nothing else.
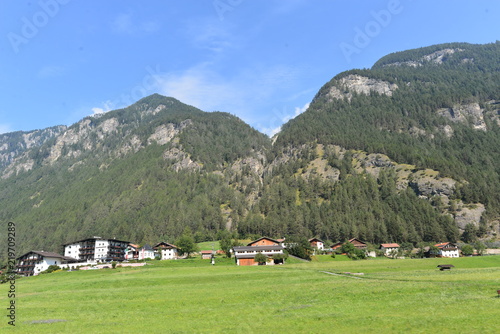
(209, 245)
(191, 296)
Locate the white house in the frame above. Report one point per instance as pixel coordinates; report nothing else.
(389, 249)
(317, 244)
(132, 252)
(448, 249)
(34, 262)
(96, 249)
(146, 252)
(166, 251)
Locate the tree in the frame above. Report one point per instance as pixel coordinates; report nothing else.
(260, 258)
(480, 247)
(279, 258)
(300, 247)
(186, 243)
(226, 243)
(470, 233)
(347, 248)
(434, 250)
(353, 252)
(467, 250)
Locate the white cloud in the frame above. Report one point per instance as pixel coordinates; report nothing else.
(280, 118)
(245, 93)
(107, 106)
(209, 91)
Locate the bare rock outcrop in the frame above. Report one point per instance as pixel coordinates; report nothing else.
(166, 132)
(361, 85)
(470, 113)
(469, 214)
(182, 160)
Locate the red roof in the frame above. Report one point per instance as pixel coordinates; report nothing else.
(206, 252)
(394, 245)
(441, 245)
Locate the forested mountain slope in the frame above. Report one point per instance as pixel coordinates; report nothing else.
(432, 108)
(143, 174)
(407, 151)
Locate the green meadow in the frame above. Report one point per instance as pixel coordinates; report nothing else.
(192, 296)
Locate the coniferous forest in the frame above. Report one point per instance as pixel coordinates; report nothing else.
(401, 152)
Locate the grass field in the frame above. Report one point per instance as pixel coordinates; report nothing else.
(191, 296)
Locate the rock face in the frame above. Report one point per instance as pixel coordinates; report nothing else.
(166, 132)
(181, 160)
(471, 114)
(86, 136)
(469, 214)
(437, 57)
(13, 145)
(430, 186)
(361, 85)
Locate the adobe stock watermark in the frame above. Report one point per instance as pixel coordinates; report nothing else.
(31, 25)
(364, 36)
(224, 6)
(11, 273)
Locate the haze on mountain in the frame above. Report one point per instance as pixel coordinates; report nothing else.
(406, 151)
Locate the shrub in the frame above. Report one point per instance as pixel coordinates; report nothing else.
(260, 258)
(51, 269)
(467, 250)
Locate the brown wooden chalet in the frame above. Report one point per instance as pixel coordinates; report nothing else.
(245, 255)
(356, 242)
(264, 241)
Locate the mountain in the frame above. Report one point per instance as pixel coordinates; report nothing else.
(13, 145)
(406, 151)
(142, 173)
(432, 117)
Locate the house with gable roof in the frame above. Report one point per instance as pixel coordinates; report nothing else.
(447, 249)
(146, 252)
(389, 248)
(356, 242)
(166, 251)
(34, 262)
(245, 255)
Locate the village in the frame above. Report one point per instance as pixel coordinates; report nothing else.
(99, 253)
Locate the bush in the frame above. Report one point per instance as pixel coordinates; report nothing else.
(51, 269)
(467, 250)
(260, 258)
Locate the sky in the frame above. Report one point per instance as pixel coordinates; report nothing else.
(261, 60)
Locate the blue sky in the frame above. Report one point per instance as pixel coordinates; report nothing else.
(261, 60)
